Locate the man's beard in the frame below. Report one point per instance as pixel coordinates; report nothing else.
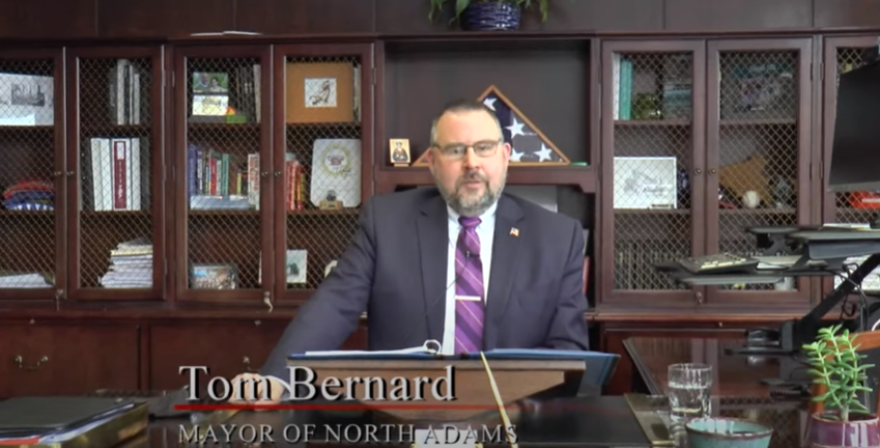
(467, 206)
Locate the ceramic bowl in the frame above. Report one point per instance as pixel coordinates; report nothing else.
(719, 432)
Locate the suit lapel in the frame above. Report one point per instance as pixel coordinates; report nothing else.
(433, 237)
(505, 256)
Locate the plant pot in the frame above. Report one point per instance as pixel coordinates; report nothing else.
(860, 431)
(486, 16)
(715, 432)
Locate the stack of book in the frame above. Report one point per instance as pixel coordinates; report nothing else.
(70, 421)
(131, 265)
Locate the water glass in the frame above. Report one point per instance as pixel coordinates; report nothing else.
(689, 391)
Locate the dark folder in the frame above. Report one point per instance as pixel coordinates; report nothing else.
(31, 416)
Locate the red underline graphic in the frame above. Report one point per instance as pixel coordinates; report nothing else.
(547, 407)
(333, 407)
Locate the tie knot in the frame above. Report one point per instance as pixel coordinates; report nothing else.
(469, 222)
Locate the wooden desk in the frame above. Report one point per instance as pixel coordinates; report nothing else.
(737, 390)
(735, 375)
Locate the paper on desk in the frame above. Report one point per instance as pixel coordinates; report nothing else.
(430, 349)
(57, 437)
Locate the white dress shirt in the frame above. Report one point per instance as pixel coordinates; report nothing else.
(486, 233)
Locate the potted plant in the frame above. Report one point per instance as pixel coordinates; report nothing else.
(835, 365)
(481, 15)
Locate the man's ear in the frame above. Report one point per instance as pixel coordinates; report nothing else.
(429, 159)
(505, 151)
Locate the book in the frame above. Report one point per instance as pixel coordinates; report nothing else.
(600, 367)
(430, 349)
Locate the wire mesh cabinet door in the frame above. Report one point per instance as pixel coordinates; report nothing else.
(117, 237)
(653, 181)
(323, 159)
(223, 163)
(33, 175)
(758, 155)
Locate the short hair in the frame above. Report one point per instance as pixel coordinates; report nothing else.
(463, 105)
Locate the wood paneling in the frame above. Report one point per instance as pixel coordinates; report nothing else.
(48, 19)
(735, 15)
(411, 17)
(408, 17)
(599, 15)
(153, 18)
(304, 16)
(846, 13)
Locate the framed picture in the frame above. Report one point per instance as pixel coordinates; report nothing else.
(398, 153)
(214, 276)
(320, 92)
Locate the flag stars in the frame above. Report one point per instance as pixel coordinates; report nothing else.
(490, 102)
(515, 156)
(515, 128)
(544, 153)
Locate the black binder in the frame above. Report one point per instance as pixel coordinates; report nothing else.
(34, 416)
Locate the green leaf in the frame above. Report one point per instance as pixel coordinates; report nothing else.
(460, 6)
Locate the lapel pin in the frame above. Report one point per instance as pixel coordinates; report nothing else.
(514, 232)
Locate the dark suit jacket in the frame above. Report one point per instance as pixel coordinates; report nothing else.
(395, 269)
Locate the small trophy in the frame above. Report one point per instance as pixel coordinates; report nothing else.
(330, 202)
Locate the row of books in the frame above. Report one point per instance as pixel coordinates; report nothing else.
(118, 175)
(660, 92)
(125, 93)
(220, 180)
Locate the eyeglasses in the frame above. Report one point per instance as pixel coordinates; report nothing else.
(485, 148)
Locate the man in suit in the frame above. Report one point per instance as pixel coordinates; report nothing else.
(462, 264)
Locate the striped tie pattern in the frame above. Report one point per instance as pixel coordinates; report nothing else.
(469, 282)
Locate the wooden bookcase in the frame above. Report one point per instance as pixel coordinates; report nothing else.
(719, 141)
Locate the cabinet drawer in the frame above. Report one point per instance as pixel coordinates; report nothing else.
(225, 348)
(67, 359)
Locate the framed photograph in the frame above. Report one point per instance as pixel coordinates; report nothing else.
(398, 152)
(645, 183)
(214, 276)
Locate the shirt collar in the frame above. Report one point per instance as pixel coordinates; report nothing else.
(490, 212)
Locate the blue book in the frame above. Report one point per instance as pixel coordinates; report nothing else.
(600, 366)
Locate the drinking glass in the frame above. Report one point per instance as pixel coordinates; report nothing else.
(690, 389)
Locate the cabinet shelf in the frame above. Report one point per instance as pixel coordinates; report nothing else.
(584, 177)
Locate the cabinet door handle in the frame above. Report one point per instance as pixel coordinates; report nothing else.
(19, 361)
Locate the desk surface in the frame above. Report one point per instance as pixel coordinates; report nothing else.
(737, 389)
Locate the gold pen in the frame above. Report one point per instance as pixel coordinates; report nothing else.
(498, 401)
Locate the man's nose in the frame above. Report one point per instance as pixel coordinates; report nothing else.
(470, 158)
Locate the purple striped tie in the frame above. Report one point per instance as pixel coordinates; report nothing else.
(469, 282)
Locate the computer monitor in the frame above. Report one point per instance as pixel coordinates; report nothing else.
(855, 153)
